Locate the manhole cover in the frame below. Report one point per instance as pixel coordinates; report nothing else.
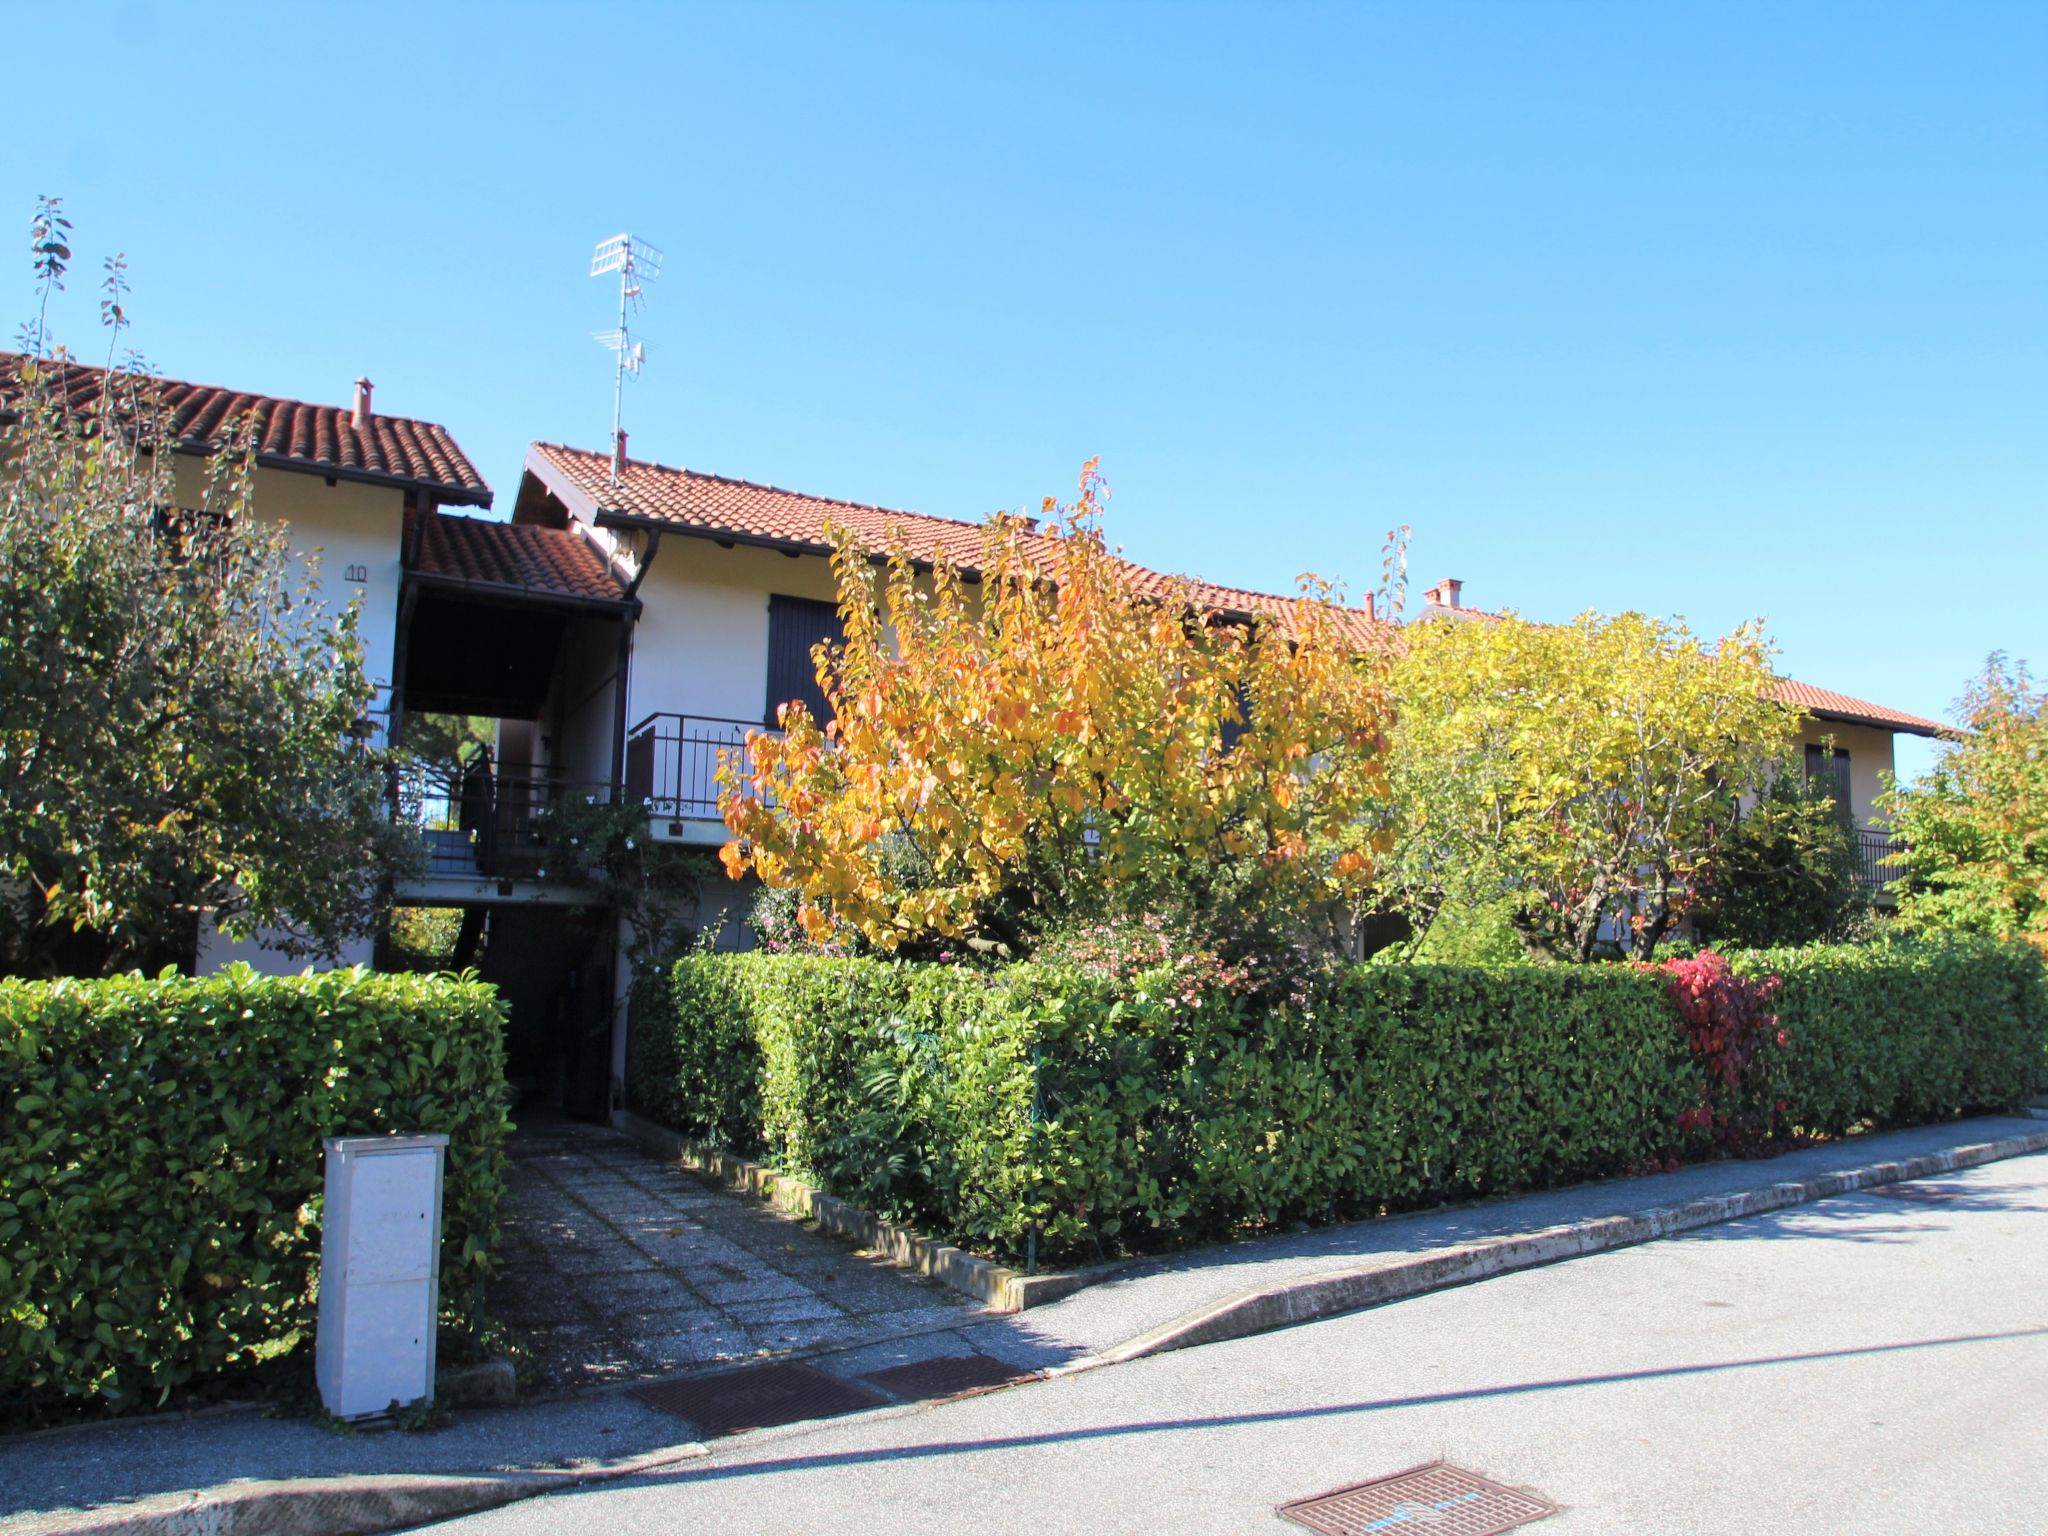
(948, 1377)
(1439, 1499)
(756, 1397)
(1926, 1194)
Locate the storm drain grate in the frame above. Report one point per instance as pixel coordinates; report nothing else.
(950, 1376)
(1434, 1500)
(1925, 1194)
(756, 1397)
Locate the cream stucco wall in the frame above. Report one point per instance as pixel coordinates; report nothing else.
(351, 533)
(1870, 760)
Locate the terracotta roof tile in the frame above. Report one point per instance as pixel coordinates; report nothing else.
(1828, 705)
(713, 505)
(558, 562)
(290, 434)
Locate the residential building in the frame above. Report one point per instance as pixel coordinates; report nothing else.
(343, 479)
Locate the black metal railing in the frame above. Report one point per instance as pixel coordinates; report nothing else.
(672, 762)
(1880, 862)
(481, 824)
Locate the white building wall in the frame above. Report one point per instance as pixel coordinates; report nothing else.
(701, 647)
(351, 535)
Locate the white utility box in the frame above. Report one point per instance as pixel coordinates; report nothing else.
(380, 1273)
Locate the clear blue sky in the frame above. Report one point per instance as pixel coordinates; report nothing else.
(1711, 310)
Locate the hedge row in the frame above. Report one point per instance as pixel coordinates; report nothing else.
(1036, 1102)
(1905, 1033)
(161, 1164)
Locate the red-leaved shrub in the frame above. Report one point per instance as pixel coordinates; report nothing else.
(1729, 1025)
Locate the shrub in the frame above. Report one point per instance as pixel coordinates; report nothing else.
(161, 1165)
(1728, 1025)
(1786, 873)
(1905, 1031)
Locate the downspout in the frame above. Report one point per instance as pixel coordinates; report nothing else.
(621, 677)
(623, 674)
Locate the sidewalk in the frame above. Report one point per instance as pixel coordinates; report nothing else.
(1145, 1306)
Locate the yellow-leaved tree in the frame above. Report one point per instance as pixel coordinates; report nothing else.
(1055, 736)
(1575, 773)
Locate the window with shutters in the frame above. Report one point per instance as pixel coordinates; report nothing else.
(1831, 772)
(795, 624)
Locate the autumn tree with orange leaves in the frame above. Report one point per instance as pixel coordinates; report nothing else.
(1039, 742)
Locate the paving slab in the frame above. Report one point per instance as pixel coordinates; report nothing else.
(619, 1268)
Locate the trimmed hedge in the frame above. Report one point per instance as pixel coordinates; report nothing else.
(1159, 1119)
(909, 1089)
(161, 1164)
(1906, 1032)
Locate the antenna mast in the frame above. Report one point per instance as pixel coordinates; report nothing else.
(636, 262)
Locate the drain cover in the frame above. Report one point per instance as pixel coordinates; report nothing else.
(756, 1397)
(1926, 1194)
(948, 1377)
(1438, 1499)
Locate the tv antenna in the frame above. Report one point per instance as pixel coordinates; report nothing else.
(637, 263)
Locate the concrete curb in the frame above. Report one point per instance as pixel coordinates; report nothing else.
(1262, 1308)
(331, 1506)
(1002, 1289)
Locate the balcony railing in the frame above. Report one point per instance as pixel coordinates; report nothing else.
(483, 825)
(672, 762)
(1880, 864)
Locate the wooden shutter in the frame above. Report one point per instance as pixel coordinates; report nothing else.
(795, 624)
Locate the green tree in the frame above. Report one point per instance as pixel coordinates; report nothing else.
(1574, 772)
(1976, 825)
(181, 721)
(1785, 872)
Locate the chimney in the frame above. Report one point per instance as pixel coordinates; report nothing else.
(619, 453)
(361, 418)
(1445, 593)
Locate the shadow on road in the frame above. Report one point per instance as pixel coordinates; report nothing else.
(698, 1473)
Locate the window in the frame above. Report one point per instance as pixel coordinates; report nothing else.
(1832, 773)
(795, 624)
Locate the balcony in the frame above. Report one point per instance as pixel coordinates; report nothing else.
(672, 764)
(484, 826)
(1879, 863)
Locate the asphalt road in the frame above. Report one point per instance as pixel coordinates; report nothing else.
(1868, 1364)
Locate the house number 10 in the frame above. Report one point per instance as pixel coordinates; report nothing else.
(356, 573)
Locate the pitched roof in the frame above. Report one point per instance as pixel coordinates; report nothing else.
(1825, 704)
(290, 434)
(713, 506)
(555, 562)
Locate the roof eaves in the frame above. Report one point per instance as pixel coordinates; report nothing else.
(524, 596)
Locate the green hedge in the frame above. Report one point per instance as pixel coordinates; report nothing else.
(910, 1090)
(1159, 1119)
(161, 1163)
(1907, 1032)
